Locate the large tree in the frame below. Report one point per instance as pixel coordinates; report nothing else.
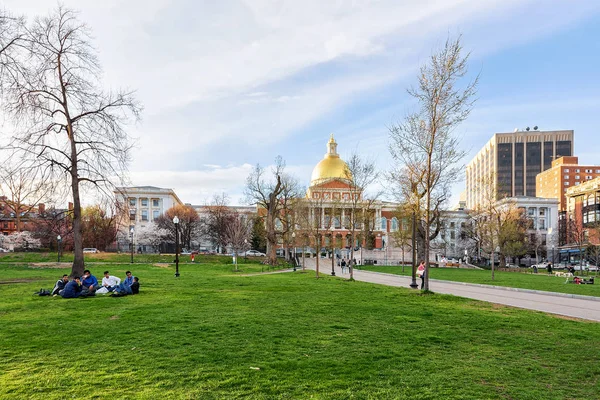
(424, 145)
(189, 223)
(269, 191)
(99, 226)
(65, 122)
(218, 217)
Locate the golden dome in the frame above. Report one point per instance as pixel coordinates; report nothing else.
(331, 166)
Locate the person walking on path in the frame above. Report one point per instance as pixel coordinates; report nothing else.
(343, 264)
(421, 273)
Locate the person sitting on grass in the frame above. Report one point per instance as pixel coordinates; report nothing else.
(60, 284)
(135, 287)
(125, 287)
(110, 282)
(72, 289)
(89, 283)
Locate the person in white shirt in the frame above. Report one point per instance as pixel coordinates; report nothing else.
(110, 282)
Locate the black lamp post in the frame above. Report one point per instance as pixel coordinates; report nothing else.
(245, 249)
(131, 241)
(176, 222)
(294, 240)
(58, 240)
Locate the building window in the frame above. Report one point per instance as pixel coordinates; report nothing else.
(542, 211)
(566, 169)
(383, 223)
(452, 225)
(144, 215)
(132, 215)
(598, 171)
(566, 183)
(394, 224)
(542, 223)
(589, 177)
(132, 202)
(144, 202)
(588, 171)
(577, 177)
(155, 203)
(531, 211)
(452, 235)
(155, 214)
(566, 177)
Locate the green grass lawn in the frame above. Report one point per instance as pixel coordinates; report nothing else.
(519, 279)
(214, 333)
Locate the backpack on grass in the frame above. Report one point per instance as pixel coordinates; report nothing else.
(43, 292)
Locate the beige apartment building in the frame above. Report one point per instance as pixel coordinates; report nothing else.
(564, 173)
(513, 160)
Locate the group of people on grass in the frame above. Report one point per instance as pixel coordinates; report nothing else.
(87, 285)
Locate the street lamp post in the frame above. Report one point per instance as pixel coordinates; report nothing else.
(294, 240)
(553, 261)
(176, 222)
(131, 241)
(58, 240)
(245, 248)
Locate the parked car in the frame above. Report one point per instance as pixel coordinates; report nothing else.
(255, 253)
(90, 250)
(591, 267)
(543, 265)
(509, 265)
(3, 250)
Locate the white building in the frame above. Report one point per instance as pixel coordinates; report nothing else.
(141, 205)
(543, 213)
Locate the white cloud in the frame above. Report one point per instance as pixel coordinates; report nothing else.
(238, 82)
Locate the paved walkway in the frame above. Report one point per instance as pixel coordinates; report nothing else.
(551, 303)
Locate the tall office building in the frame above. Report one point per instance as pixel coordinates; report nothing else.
(513, 161)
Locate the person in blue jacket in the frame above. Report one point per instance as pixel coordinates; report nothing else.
(72, 289)
(89, 283)
(125, 287)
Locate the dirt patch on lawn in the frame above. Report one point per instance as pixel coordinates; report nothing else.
(21, 280)
(162, 265)
(49, 265)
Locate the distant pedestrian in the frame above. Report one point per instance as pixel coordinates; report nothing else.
(421, 273)
(549, 268)
(343, 265)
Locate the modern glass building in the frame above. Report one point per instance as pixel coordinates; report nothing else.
(513, 160)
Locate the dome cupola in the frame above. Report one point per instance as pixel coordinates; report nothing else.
(331, 166)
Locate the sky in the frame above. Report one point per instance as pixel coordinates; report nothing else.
(230, 84)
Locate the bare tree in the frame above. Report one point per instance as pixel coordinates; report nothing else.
(269, 193)
(577, 235)
(237, 234)
(219, 216)
(12, 43)
(311, 220)
(24, 188)
(424, 143)
(360, 174)
(66, 124)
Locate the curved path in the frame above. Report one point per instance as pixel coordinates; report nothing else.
(554, 303)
